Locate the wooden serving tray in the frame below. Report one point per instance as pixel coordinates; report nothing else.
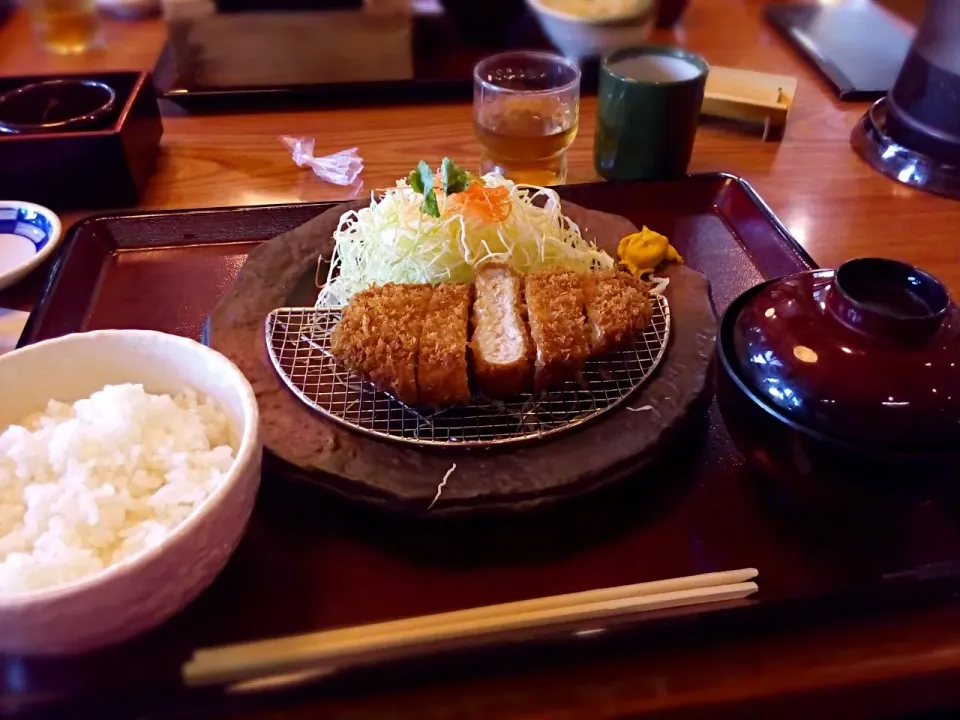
(310, 561)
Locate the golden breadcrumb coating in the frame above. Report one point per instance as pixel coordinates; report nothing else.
(555, 307)
(412, 340)
(442, 362)
(379, 334)
(618, 309)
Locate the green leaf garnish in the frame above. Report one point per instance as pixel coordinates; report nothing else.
(430, 206)
(452, 178)
(426, 187)
(414, 179)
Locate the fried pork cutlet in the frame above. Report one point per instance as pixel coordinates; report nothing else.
(618, 309)
(500, 344)
(379, 335)
(555, 308)
(442, 361)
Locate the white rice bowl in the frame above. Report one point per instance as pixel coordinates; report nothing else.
(124, 497)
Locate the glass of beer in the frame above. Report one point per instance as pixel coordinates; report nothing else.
(65, 27)
(526, 108)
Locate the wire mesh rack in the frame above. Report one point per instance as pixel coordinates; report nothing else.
(298, 341)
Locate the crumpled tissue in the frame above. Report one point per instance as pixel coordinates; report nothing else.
(341, 168)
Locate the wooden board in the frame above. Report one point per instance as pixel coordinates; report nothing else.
(389, 475)
(215, 49)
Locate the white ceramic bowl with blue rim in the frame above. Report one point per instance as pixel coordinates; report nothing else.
(29, 234)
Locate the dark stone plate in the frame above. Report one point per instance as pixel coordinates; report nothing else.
(308, 447)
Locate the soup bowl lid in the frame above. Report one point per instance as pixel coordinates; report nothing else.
(868, 353)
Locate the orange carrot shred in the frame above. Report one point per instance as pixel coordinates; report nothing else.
(489, 204)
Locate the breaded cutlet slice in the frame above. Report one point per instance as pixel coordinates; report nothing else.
(555, 309)
(500, 345)
(378, 336)
(618, 309)
(442, 362)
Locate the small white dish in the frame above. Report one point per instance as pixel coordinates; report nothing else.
(29, 234)
(581, 36)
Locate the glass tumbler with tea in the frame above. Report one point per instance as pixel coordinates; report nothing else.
(65, 27)
(526, 108)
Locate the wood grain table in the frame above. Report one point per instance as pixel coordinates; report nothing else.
(834, 205)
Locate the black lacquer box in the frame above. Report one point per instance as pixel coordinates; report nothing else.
(102, 164)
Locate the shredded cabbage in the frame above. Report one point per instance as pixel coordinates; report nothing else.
(658, 284)
(392, 240)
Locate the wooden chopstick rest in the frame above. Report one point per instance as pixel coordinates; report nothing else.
(749, 96)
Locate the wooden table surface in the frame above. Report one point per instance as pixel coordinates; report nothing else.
(834, 205)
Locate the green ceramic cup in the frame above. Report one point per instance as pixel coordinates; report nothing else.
(648, 107)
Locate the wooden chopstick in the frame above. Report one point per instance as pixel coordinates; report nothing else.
(416, 636)
(729, 577)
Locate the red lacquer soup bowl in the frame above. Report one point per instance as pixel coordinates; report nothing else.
(844, 385)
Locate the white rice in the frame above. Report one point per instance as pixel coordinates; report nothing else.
(84, 486)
